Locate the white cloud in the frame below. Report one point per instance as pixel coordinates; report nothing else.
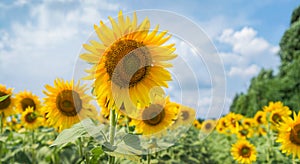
(246, 42)
(33, 52)
(244, 72)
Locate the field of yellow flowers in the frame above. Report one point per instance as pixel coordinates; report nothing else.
(138, 121)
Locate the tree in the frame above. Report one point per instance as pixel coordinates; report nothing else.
(285, 86)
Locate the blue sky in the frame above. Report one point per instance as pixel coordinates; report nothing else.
(40, 40)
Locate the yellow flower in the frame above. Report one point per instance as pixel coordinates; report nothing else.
(272, 106)
(14, 124)
(260, 118)
(7, 105)
(245, 132)
(30, 119)
(197, 124)
(27, 99)
(208, 126)
(233, 121)
(156, 118)
(249, 122)
(186, 116)
(243, 152)
(66, 103)
(222, 126)
(289, 135)
(278, 115)
(128, 62)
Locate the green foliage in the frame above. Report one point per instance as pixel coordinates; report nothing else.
(2, 98)
(284, 86)
(295, 15)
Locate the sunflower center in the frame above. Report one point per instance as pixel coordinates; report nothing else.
(245, 152)
(295, 135)
(185, 115)
(68, 102)
(208, 126)
(5, 103)
(27, 102)
(30, 117)
(276, 118)
(153, 115)
(128, 62)
(244, 132)
(259, 119)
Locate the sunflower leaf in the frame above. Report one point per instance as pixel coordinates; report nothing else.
(69, 135)
(132, 141)
(2, 98)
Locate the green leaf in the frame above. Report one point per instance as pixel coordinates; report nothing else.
(107, 147)
(70, 135)
(96, 154)
(2, 98)
(132, 141)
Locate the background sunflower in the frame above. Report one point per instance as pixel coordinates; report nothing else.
(66, 103)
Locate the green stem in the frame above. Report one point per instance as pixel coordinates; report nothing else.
(148, 157)
(112, 131)
(80, 147)
(32, 149)
(1, 131)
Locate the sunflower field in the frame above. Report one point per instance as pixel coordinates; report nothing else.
(139, 122)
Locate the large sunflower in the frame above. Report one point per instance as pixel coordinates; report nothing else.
(289, 135)
(7, 105)
(66, 103)
(27, 99)
(243, 152)
(30, 119)
(156, 118)
(128, 62)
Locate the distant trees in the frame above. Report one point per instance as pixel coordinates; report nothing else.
(284, 86)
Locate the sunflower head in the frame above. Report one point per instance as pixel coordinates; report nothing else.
(260, 118)
(208, 126)
(289, 135)
(66, 103)
(31, 119)
(243, 152)
(156, 118)
(7, 105)
(27, 99)
(128, 61)
(197, 124)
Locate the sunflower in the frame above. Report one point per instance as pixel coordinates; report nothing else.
(244, 132)
(222, 126)
(233, 121)
(66, 103)
(273, 105)
(243, 152)
(30, 118)
(208, 126)
(289, 135)
(156, 118)
(186, 116)
(197, 124)
(260, 118)
(27, 99)
(14, 124)
(7, 105)
(128, 62)
(278, 115)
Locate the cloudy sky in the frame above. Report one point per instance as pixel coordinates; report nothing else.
(41, 40)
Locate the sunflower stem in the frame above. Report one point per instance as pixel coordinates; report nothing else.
(32, 148)
(80, 147)
(112, 131)
(148, 157)
(1, 126)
